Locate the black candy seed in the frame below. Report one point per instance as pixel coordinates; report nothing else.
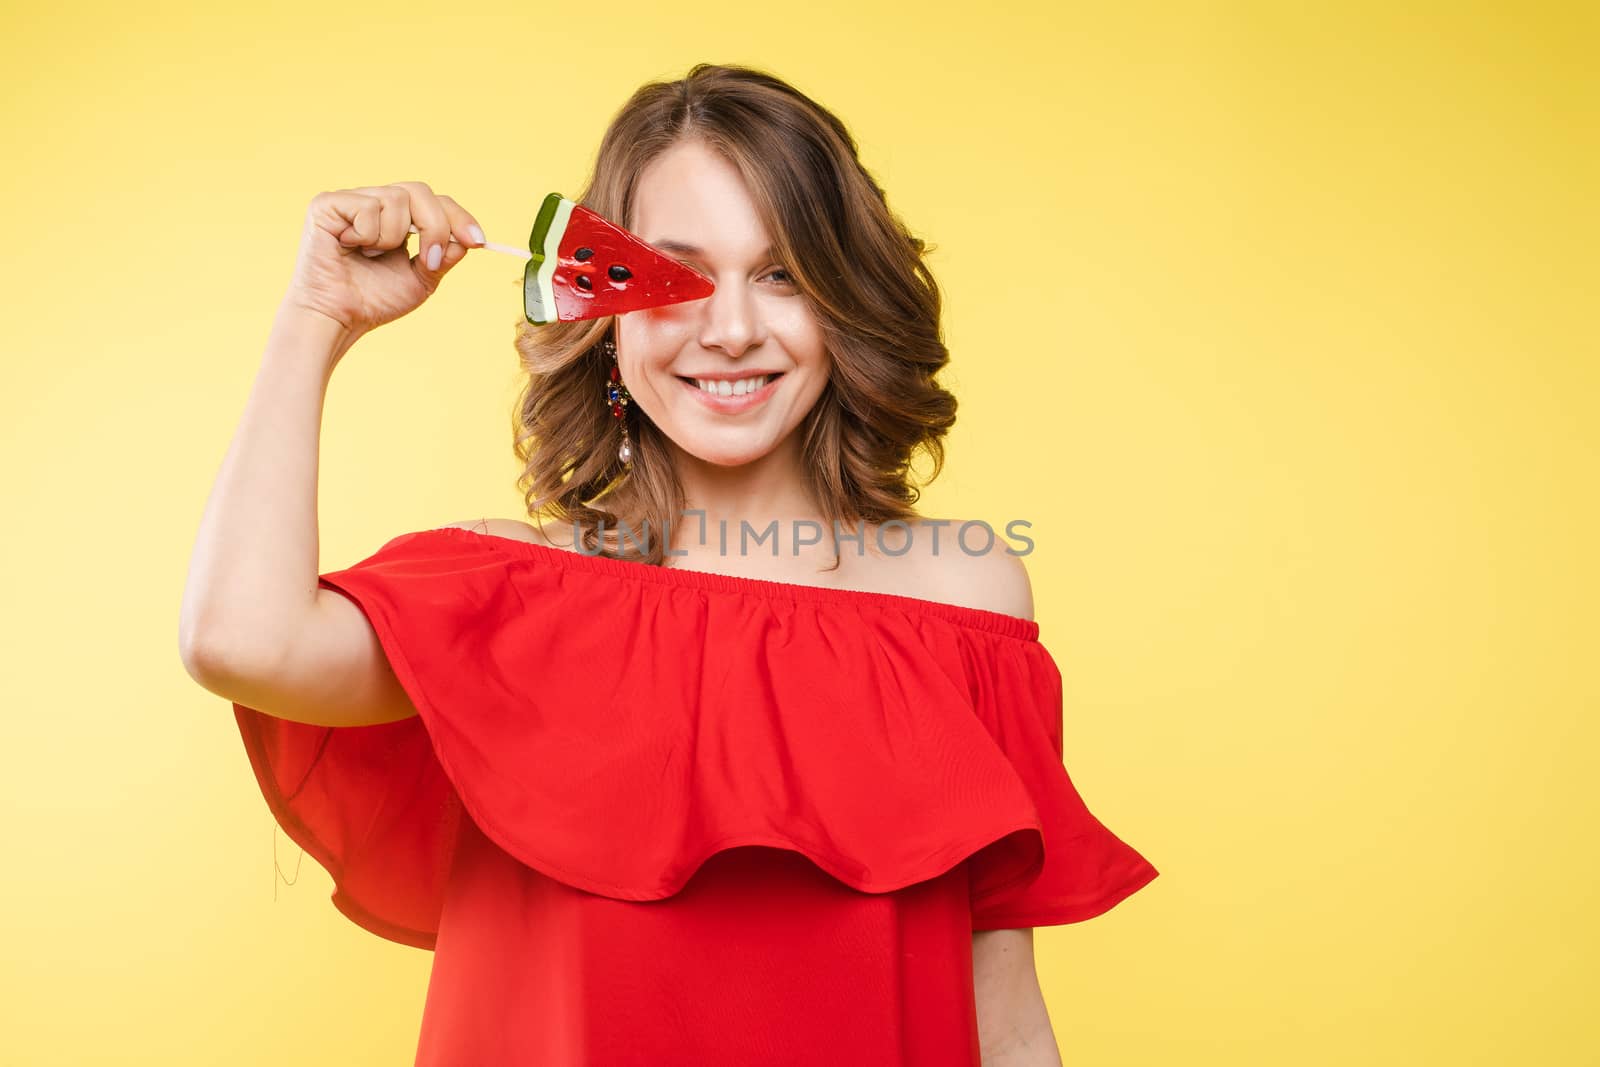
(619, 273)
(584, 283)
(583, 254)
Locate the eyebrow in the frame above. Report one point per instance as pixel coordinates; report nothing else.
(669, 244)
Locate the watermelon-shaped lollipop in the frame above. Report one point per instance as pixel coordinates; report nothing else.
(584, 267)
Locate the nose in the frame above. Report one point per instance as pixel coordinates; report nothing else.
(731, 320)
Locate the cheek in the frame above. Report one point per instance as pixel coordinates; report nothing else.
(801, 336)
(668, 325)
(647, 345)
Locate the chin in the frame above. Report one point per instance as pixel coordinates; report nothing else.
(723, 449)
(723, 457)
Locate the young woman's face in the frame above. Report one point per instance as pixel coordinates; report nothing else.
(754, 336)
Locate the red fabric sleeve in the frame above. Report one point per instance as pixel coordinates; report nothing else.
(372, 804)
(1086, 868)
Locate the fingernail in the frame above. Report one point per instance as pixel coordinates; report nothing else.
(477, 234)
(435, 254)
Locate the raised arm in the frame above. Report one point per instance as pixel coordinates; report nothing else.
(254, 626)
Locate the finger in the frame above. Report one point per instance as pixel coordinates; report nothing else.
(465, 233)
(463, 225)
(433, 225)
(373, 245)
(452, 255)
(395, 219)
(360, 214)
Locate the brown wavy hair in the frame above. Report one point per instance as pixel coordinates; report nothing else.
(861, 271)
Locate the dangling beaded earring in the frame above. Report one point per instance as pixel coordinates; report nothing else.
(617, 398)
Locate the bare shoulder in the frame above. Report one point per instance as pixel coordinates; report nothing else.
(975, 571)
(551, 535)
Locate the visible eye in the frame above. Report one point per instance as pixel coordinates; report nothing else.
(782, 276)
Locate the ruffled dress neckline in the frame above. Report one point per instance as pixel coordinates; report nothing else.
(613, 725)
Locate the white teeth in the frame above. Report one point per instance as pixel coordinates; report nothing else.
(738, 388)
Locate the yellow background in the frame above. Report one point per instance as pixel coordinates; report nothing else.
(1270, 317)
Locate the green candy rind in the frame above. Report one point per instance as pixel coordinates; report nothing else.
(538, 288)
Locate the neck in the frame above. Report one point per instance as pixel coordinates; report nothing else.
(758, 493)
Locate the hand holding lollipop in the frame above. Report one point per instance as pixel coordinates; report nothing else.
(362, 292)
(579, 265)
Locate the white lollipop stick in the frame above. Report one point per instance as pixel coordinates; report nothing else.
(510, 250)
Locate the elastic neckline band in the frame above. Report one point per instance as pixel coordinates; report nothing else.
(976, 618)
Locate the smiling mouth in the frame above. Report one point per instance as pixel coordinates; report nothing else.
(731, 389)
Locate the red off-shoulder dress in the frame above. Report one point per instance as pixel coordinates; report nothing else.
(655, 816)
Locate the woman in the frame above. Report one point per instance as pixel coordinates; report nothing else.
(651, 798)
